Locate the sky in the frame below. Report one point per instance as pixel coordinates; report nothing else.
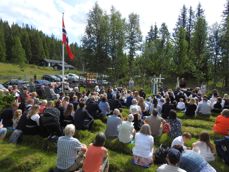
(46, 15)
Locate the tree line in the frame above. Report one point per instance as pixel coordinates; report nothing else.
(114, 45)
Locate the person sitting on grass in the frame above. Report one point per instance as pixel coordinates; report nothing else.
(96, 159)
(113, 121)
(126, 130)
(217, 106)
(221, 125)
(175, 125)
(204, 108)
(181, 105)
(193, 162)
(172, 158)
(70, 151)
(3, 131)
(190, 108)
(16, 118)
(143, 148)
(156, 123)
(181, 140)
(204, 147)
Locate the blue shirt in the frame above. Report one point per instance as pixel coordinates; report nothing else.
(113, 122)
(191, 161)
(104, 107)
(67, 149)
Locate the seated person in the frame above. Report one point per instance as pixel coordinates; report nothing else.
(69, 151)
(92, 107)
(113, 121)
(143, 148)
(104, 106)
(221, 125)
(156, 123)
(204, 108)
(135, 107)
(68, 115)
(172, 158)
(96, 158)
(190, 108)
(166, 107)
(175, 124)
(3, 131)
(16, 118)
(181, 104)
(204, 147)
(193, 162)
(7, 115)
(32, 122)
(126, 130)
(82, 119)
(181, 140)
(217, 106)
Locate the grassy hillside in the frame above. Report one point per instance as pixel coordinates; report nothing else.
(29, 156)
(13, 71)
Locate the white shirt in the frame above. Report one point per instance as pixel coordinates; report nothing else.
(36, 118)
(135, 109)
(143, 145)
(202, 149)
(169, 168)
(125, 130)
(178, 141)
(181, 105)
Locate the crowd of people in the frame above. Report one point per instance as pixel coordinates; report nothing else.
(149, 117)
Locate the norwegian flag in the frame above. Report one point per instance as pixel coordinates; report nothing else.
(65, 41)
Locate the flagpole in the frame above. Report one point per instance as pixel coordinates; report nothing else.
(63, 62)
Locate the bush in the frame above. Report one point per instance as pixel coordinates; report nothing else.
(5, 100)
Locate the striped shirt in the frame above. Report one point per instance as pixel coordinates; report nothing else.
(67, 149)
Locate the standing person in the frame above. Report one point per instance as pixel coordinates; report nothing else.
(172, 158)
(204, 147)
(126, 130)
(143, 148)
(131, 84)
(96, 159)
(69, 151)
(113, 121)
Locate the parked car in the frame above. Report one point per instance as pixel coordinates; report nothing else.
(72, 77)
(103, 82)
(60, 77)
(39, 83)
(2, 87)
(19, 83)
(51, 78)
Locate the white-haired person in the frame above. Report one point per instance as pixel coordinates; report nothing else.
(135, 107)
(113, 121)
(70, 151)
(126, 130)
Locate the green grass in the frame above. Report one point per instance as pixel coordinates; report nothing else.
(30, 157)
(13, 71)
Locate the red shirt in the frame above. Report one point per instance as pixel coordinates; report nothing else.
(221, 125)
(94, 158)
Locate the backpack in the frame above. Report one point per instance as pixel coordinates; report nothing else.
(166, 127)
(160, 155)
(222, 149)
